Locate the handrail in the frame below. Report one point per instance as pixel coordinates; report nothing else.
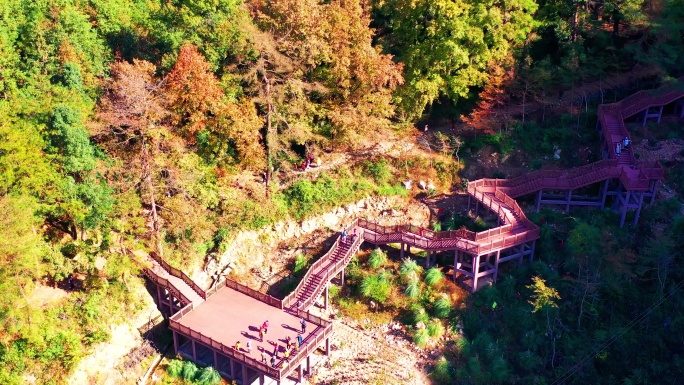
(163, 282)
(328, 272)
(310, 343)
(178, 274)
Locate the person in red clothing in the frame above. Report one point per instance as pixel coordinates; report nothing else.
(265, 326)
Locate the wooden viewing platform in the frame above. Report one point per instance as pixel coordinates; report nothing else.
(206, 324)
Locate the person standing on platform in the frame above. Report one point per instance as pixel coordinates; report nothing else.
(273, 361)
(299, 341)
(237, 346)
(265, 327)
(263, 356)
(625, 142)
(275, 349)
(344, 236)
(262, 332)
(303, 323)
(249, 346)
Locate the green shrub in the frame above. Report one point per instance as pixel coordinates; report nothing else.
(208, 376)
(301, 261)
(442, 306)
(435, 329)
(412, 289)
(419, 314)
(175, 368)
(421, 337)
(189, 370)
(377, 258)
(436, 226)
(410, 266)
(376, 287)
(433, 276)
(443, 372)
(378, 170)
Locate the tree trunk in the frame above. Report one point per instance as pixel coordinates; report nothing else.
(147, 175)
(269, 160)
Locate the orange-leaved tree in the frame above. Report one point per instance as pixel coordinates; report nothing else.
(193, 92)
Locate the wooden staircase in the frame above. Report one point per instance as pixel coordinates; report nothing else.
(174, 280)
(323, 270)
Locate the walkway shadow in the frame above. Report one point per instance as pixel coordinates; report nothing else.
(288, 327)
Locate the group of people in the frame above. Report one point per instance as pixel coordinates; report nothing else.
(290, 347)
(345, 235)
(309, 160)
(622, 145)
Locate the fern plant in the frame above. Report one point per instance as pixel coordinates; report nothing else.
(409, 267)
(442, 306)
(189, 370)
(433, 276)
(208, 376)
(377, 258)
(175, 368)
(421, 337)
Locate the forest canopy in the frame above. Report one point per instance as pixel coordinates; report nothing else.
(123, 121)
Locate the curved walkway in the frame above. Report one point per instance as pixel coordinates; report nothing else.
(497, 195)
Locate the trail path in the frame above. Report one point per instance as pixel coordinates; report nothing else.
(371, 357)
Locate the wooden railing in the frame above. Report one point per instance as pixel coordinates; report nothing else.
(309, 344)
(179, 274)
(165, 283)
(326, 273)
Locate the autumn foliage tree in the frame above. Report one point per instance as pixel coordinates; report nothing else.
(201, 110)
(192, 91)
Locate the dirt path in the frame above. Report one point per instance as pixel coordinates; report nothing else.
(105, 366)
(373, 356)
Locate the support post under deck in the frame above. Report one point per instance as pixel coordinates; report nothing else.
(496, 264)
(604, 193)
(539, 199)
(175, 342)
(638, 210)
(624, 208)
(476, 271)
(568, 197)
(326, 296)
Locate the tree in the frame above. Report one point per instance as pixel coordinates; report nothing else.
(543, 296)
(132, 109)
(447, 46)
(192, 92)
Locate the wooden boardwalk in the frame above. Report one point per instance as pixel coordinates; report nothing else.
(206, 324)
